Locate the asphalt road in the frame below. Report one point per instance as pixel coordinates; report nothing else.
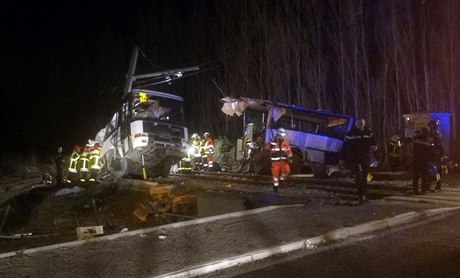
(426, 250)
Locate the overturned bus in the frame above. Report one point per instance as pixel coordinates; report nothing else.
(316, 136)
(145, 136)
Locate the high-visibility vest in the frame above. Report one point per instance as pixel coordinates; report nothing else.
(395, 147)
(209, 147)
(280, 151)
(196, 148)
(83, 163)
(74, 157)
(95, 161)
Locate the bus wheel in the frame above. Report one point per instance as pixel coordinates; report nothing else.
(160, 170)
(165, 170)
(121, 167)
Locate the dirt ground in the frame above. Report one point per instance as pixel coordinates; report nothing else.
(34, 214)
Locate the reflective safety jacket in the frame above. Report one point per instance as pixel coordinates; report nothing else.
(83, 162)
(95, 161)
(280, 150)
(74, 157)
(196, 148)
(394, 150)
(208, 147)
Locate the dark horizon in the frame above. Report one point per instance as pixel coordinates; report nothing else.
(64, 65)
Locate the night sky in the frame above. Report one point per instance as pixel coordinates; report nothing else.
(63, 67)
(64, 63)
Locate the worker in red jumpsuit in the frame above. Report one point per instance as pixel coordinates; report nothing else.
(280, 156)
(208, 151)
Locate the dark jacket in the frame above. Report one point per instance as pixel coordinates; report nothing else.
(438, 149)
(357, 146)
(423, 151)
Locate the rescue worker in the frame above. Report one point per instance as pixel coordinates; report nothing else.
(357, 149)
(207, 151)
(422, 159)
(280, 156)
(195, 151)
(83, 164)
(95, 162)
(59, 161)
(438, 151)
(193, 159)
(72, 172)
(394, 151)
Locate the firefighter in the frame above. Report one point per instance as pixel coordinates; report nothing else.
(357, 149)
(438, 151)
(83, 164)
(95, 162)
(394, 151)
(422, 160)
(207, 151)
(72, 175)
(281, 157)
(193, 158)
(195, 151)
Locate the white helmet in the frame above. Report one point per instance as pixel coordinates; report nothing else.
(195, 136)
(282, 131)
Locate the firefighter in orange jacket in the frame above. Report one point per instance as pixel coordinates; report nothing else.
(280, 156)
(208, 151)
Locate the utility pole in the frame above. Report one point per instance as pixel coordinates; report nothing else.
(131, 76)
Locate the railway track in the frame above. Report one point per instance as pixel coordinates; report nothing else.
(344, 185)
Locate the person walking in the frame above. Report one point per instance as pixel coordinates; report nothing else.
(280, 157)
(359, 144)
(422, 160)
(59, 161)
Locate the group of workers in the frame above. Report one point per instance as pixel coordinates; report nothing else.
(359, 146)
(200, 155)
(428, 156)
(82, 166)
